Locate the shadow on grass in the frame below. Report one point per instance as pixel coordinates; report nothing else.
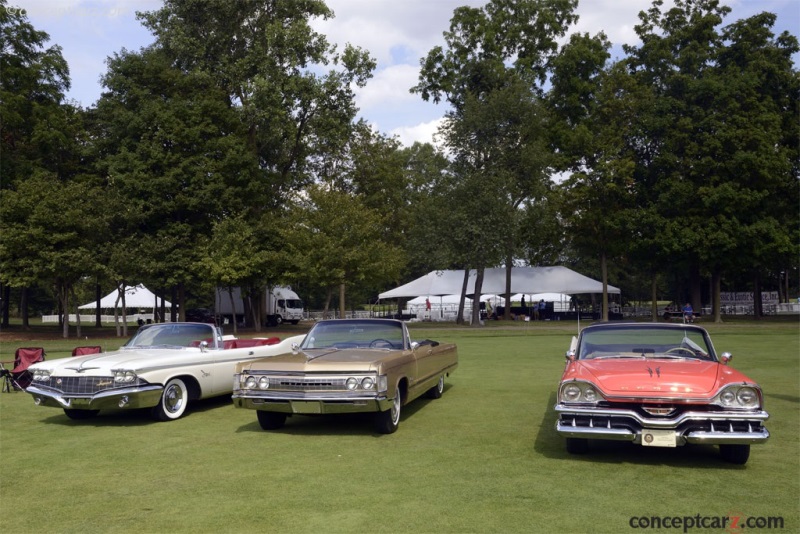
(137, 417)
(346, 424)
(788, 398)
(551, 445)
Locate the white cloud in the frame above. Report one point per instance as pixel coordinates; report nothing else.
(396, 33)
(424, 132)
(389, 86)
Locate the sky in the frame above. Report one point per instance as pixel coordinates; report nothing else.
(397, 33)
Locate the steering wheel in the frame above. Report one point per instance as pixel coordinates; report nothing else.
(692, 353)
(380, 341)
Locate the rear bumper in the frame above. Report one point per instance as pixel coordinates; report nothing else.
(133, 397)
(695, 427)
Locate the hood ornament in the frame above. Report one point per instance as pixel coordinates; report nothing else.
(658, 371)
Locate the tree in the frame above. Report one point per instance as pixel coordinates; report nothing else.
(492, 73)
(232, 260)
(716, 152)
(48, 234)
(33, 133)
(170, 157)
(335, 241)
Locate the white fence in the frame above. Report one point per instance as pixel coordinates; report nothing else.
(90, 318)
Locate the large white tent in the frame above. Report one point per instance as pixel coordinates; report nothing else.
(135, 297)
(525, 280)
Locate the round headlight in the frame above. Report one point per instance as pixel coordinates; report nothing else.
(590, 395)
(352, 383)
(727, 397)
(130, 376)
(250, 383)
(747, 397)
(263, 382)
(368, 383)
(571, 392)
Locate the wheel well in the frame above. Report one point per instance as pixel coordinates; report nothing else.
(402, 386)
(192, 386)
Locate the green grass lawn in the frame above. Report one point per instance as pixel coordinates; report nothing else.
(483, 458)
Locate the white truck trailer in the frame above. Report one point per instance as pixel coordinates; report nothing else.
(280, 303)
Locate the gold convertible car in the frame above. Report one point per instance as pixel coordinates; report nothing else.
(345, 366)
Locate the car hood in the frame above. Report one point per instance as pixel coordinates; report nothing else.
(123, 359)
(672, 377)
(326, 360)
(147, 360)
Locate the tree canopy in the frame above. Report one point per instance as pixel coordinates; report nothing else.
(230, 152)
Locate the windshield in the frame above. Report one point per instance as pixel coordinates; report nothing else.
(645, 342)
(171, 335)
(362, 334)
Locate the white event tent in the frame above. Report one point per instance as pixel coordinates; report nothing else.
(524, 280)
(135, 297)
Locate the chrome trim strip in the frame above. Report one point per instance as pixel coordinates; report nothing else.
(267, 395)
(615, 434)
(742, 438)
(141, 396)
(663, 423)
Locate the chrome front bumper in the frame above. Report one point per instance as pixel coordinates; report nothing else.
(309, 404)
(133, 397)
(696, 427)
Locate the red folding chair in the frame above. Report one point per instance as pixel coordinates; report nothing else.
(82, 351)
(19, 377)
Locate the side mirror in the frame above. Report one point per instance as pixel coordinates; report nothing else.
(295, 347)
(571, 356)
(203, 346)
(414, 345)
(726, 357)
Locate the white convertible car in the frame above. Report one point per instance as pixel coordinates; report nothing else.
(162, 367)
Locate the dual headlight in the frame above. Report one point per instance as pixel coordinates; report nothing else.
(352, 383)
(738, 397)
(41, 374)
(256, 382)
(579, 392)
(366, 383)
(124, 377)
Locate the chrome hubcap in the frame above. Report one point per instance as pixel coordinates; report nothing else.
(396, 409)
(173, 399)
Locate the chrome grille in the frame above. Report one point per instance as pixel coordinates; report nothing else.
(81, 385)
(310, 383)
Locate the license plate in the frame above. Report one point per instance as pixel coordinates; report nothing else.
(306, 407)
(658, 438)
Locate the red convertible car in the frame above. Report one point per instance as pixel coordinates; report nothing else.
(657, 385)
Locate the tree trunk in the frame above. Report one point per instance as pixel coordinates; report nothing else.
(654, 297)
(696, 289)
(98, 295)
(716, 302)
(509, 267)
(77, 317)
(604, 277)
(116, 312)
(758, 305)
(476, 299)
(328, 297)
(124, 313)
(6, 297)
(65, 304)
(342, 307)
(460, 317)
(23, 308)
(233, 309)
